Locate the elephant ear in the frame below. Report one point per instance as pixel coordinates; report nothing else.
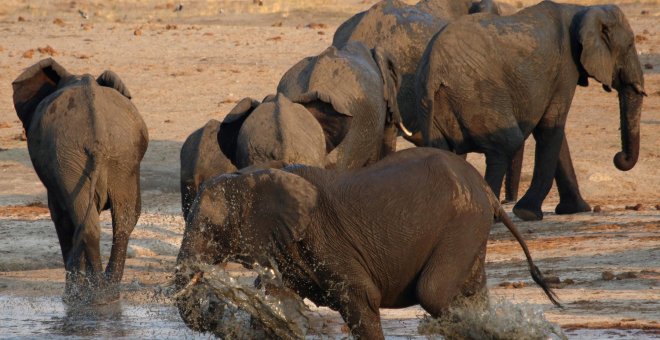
(112, 80)
(391, 83)
(35, 84)
(282, 204)
(231, 125)
(594, 35)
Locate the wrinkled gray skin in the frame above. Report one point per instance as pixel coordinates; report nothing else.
(278, 129)
(201, 159)
(404, 31)
(86, 140)
(271, 133)
(517, 77)
(275, 129)
(347, 240)
(352, 93)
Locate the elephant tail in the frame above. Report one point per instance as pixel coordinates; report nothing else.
(534, 270)
(93, 155)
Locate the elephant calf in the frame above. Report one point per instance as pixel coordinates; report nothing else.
(86, 140)
(271, 133)
(410, 229)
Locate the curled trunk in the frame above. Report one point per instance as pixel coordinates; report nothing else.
(630, 106)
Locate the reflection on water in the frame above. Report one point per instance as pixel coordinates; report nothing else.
(48, 316)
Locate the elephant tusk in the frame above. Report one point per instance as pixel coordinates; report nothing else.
(404, 129)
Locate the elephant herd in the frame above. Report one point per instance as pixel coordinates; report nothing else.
(309, 177)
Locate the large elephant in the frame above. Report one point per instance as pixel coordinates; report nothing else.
(404, 31)
(347, 240)
(351, 91)
(517, 77)
(86, 140)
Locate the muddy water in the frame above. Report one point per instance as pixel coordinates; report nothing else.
(48, 317)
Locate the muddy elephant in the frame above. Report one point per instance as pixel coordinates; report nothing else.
(201, 159)
(351, 91)
(86, 140)
(517, 77)
(404, 31)
(347, 240)
(269, 133)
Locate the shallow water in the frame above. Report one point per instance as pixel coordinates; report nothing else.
(41, 317)
(48, 316)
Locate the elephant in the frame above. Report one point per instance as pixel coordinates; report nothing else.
(517, 77)
(86, 140)
(351, 91)
(201, 159)
(346, 239)
(276, 129)
(271, 133)
(404, 31)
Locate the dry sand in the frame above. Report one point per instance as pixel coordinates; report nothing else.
(186, 67)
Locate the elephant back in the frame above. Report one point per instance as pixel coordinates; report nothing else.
(350, 81)
(340, 77)
(279, 130)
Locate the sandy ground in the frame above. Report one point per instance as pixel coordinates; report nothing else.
(188, 66)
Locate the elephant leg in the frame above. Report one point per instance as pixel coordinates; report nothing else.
(85, 249)
(496, 164)
(476, 282)
(360, 310)
(454, 269)
(512, 180)
(63, 226)
(570, 199)
(126, 207)
(548, 144)
(65, 230)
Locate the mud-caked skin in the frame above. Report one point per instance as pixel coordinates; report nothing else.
(351, 91)
(409, 229)
(86, 140)
(404, 31)
(516, 77)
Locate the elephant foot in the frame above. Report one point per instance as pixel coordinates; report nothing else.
(527, 213)
(572, 207)
(508, 201)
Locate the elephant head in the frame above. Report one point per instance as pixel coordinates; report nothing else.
(607, 53)
(42, 79)
(242, 216)
(352, 93)
(275, 129)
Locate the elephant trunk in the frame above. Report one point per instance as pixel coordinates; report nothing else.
(630, 106)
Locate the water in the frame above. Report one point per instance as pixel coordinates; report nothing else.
(31, 317)
(48, 317)
(216, 302)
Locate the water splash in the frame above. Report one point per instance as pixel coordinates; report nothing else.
(481, 318)
(223, 305)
